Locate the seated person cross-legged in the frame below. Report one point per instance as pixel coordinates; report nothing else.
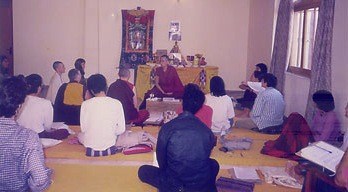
(267, 115)
(249, 96)
(222, 106)
(69, 99)
(315, 178)
(325, 125)
(22, 162)
(102, 119)
(124, 91)
(167, 82)
(37, 113)
(183, 152)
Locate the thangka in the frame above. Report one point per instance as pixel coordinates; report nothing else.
(137, 36)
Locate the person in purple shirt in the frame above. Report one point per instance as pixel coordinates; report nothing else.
(325, 124)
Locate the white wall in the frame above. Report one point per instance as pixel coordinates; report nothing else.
(67, 29)
(340, 59)
(260, 34)
(45, 31)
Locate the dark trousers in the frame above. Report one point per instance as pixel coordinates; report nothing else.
(56, 134)
(153, 176)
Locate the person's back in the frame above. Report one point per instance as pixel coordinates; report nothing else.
(16, 147)
(22, 164)
(102, 119)
(222, 111)
(271, 112)
(222, 106)
(101, 129)
(69, 99)
(188, 144)
(183, 151)
(121, 91)
(36, 114)
(204, 114)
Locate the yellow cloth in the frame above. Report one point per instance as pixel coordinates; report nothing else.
(73, 94)
(186, 75)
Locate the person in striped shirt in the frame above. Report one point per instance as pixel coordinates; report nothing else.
(267, 114)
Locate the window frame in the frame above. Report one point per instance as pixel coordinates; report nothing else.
(303, 5)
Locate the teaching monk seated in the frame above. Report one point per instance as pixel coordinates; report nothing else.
(167, 83)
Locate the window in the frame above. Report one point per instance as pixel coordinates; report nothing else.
(303, 35)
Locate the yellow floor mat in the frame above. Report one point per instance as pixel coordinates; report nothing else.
(239, 157)
(91, 178)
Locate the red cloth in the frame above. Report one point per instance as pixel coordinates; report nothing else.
(121, 91)
(142, 116)
(296, 135)
(169, 81)
(205, 114)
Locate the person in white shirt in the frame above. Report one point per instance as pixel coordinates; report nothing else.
(37, 113)
(56, 81)
(102, 119)
(223, 111)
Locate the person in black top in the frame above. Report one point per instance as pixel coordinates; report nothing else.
(183, 151)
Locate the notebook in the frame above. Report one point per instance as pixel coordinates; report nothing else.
(323, 154)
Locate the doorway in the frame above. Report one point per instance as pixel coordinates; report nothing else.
(6, 31)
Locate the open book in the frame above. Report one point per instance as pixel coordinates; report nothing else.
(255, 86)
(323, 154)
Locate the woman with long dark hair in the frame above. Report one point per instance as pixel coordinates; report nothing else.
(222, 106)
(80, 65)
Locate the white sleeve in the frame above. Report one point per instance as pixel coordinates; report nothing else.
(121, 122)
(230, 109)
(83, 120)
(48, 112)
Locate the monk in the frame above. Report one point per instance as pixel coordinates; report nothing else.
(167, 82)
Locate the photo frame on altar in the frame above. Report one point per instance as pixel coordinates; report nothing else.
(174, 31)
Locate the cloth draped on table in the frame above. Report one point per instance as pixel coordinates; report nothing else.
(137, 37)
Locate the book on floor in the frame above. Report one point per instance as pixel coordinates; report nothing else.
(323, 154)
(248, 174)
